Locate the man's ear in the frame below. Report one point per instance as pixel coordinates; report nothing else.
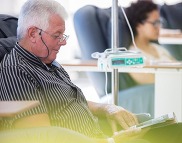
(32, 34)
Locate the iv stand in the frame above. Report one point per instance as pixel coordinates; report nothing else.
(114, 45)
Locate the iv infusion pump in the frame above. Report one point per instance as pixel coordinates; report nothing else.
(121, 57)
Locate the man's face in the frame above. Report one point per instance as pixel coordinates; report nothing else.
(48, 43)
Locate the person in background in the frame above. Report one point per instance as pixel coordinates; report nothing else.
(30, 72)
(144, 18)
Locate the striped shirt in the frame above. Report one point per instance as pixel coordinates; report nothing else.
(24, 77)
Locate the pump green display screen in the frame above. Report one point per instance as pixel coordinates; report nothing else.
(126, 61)
(118, 62)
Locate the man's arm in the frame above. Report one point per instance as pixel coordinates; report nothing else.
(23, 86)
(36, 120)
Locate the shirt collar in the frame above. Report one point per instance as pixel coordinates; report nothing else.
(33, 59)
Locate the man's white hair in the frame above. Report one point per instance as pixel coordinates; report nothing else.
(37, 13)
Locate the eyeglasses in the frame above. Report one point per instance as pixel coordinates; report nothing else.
(61, 38)
(156, 23)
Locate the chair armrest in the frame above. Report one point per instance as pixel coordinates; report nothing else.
(11, 108)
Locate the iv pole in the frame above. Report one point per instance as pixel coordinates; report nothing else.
(114, 45)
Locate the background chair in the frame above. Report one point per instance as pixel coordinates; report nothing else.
(171, 16)
(93, 30)
(8, 26)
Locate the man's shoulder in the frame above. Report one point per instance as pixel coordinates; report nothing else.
(9, 60)
(13, 61)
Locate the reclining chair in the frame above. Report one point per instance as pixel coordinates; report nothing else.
(93, 30)
(30, 135)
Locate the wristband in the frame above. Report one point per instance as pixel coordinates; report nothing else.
(110, 140)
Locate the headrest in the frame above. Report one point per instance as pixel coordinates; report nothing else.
(171, 15)
(105, 21)
(6, 45)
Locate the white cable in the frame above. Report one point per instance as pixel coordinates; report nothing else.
(96, 55)
(106, 81)
(131, 32)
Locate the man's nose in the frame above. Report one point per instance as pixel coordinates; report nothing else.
(62, 43)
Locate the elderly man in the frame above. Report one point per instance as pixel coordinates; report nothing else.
(30, 72)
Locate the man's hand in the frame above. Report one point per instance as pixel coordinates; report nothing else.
(118, 115)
